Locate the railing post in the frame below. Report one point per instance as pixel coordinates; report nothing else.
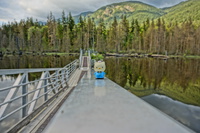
(45, 88)
(67, 73)
(57, 73)
(24, 91)
(70, 69)
(89, 59)
(74, 66)
(80, 58)
(55, 83)
(89, 53)
(62, 78)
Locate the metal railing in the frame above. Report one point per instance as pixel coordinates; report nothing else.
(89, 54)
(34, 93)
(32, 70)
(84, 53)
(80, 57)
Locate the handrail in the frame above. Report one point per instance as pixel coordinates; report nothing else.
(16, 110)
(18, 71)
(6, 88)
(51, 76)
(23, 95)
(49, 83)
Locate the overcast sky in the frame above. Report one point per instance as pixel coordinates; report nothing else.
(11, 10)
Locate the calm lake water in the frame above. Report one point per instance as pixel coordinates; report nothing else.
(35, 61)
(172, 86)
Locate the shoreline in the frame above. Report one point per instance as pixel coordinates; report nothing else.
(135, 55)
(164, 57)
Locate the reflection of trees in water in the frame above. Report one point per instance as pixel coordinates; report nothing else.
(177, 78)
(30, 61)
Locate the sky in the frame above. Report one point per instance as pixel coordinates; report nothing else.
(11, 10)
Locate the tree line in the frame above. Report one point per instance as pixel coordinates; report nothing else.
(123, 36)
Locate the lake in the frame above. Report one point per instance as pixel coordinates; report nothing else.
(36, 61)
(172, 85)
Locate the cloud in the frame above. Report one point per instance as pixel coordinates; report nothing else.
(10, 12)
(21, 9)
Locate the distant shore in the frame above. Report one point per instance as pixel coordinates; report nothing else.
(136, 55)
(164, 57)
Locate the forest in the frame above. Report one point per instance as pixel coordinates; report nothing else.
(121, 36)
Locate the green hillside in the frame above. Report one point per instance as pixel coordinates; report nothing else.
(136, 10)
(183, 11)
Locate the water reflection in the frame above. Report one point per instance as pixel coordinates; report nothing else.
(99, 89)
(189, 115)
(30, 61)
(175, 78)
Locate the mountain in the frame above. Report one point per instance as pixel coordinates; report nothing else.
(131, 9)
(42, 23)
(84, 14)
(184, 11)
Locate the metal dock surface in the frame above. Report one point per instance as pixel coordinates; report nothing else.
(102, 106)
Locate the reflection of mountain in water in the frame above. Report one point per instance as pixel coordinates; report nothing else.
(189, 115)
